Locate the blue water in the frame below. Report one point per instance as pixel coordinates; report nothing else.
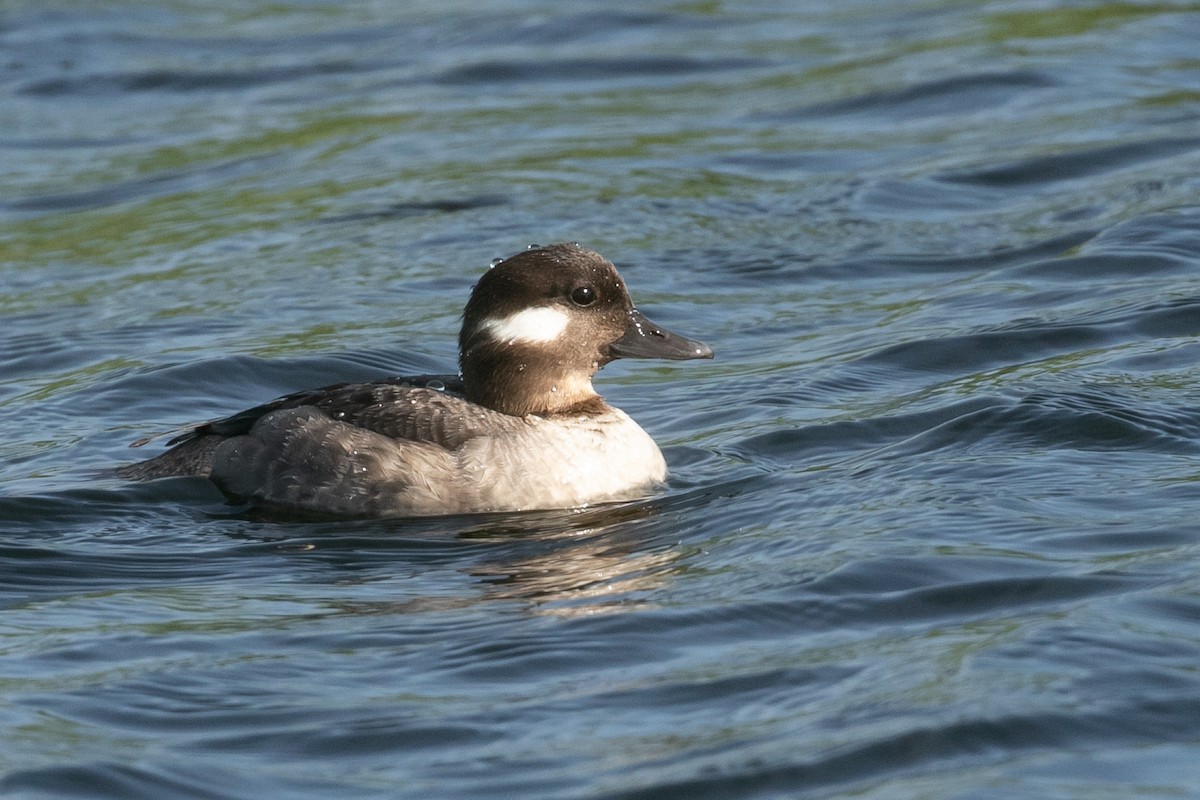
(932, 524)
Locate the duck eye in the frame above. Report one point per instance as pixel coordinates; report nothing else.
(583, 296)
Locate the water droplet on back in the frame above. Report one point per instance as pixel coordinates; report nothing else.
(496, 262)
(436, 385)
(534, 247)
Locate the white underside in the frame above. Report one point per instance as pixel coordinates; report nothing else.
(557, 463)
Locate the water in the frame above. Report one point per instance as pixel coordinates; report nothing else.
(931, 531)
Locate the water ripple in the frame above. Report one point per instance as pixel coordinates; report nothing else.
(607, 69)
(960, 94)
(183, 81)
(1074, 165)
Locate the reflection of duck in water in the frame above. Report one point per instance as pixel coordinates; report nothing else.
(521, 429)
(601, 560)
(585, 579)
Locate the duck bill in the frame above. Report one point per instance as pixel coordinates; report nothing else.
(645, 339)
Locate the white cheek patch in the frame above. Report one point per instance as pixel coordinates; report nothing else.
(530, 325)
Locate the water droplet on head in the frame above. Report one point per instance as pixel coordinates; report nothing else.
(533, 247)
(496, 262)
(554, 389)
(436, 385)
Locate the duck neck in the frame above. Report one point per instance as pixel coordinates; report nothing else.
(524, 386)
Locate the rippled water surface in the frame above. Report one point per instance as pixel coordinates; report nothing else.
(932, 526)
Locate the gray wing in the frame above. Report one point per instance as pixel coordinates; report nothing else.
(400, 409)
(299, 458)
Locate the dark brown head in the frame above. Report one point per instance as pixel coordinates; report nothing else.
(539, 324)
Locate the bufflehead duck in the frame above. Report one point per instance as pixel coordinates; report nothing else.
(521, 428)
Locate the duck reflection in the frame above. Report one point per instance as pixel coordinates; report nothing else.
(600, 560)
(588, 579)
(596, 563)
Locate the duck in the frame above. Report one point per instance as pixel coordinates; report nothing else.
(519, 428)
